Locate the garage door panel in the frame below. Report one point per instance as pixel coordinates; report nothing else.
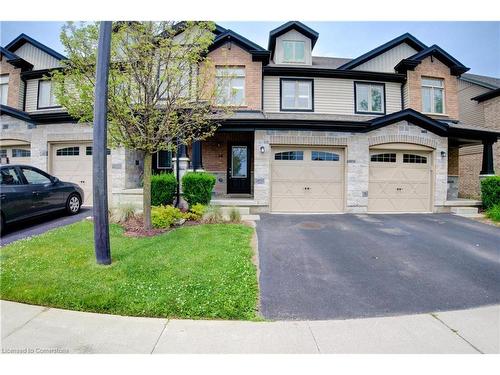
(308, 185)
(72, 162)
(399, 186)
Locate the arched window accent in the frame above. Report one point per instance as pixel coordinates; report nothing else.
(384, 158)
(20, 153)
(68, 151)
(324, 156)
(414, 159)
(289, 155)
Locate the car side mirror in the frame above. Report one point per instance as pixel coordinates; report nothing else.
(55, 180)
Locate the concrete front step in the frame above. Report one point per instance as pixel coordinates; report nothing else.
(242, 210)
(464, 210)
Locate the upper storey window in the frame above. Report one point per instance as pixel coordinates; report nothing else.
(294, 51)
(230, 82)
(297, 95)
(4, 88)
(370, 97)
(46, 95)
(432, 95)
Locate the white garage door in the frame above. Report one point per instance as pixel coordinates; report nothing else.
(16, 154)
(72, 162)
(305, 179)
(400, 181)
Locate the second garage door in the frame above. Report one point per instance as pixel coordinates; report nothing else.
(309, 180)
(400, 181)
(72, 162)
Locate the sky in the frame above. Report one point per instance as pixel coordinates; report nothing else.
(475, 44)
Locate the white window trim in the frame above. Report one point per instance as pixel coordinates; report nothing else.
(220, 68)
(4, 81)
(294, 61)
(432, 96)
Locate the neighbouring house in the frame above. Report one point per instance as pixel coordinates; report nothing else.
(479, 98)
(309, 134)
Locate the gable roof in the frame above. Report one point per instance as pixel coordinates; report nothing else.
(485, 81)
(456, 67)
(286, 27)
(258, 53)
(15, 60)
(405, 38)
(23, 38)
(417, 118)
(487, 95)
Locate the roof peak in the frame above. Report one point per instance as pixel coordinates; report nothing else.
(22, 38)
(403, 38)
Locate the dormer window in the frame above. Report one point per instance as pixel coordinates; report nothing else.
(294, 51)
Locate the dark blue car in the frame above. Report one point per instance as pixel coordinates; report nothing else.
(26, 191)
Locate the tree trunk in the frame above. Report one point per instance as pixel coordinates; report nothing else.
(146, 203)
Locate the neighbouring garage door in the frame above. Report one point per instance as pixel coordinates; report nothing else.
(16, 154)
(72, 162)
(400, 181)
(306, 179)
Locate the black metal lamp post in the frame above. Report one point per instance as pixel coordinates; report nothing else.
(99, 155)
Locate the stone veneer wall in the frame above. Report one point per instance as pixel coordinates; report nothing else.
(357, 159)
(125, 173)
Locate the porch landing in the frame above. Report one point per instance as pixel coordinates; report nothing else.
(464, 207)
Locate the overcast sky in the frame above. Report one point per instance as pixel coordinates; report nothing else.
(475, 44)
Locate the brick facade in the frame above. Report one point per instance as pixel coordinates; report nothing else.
(433, 68)
(215, 156)
(232, 55)
(471, 157)
(14, 83)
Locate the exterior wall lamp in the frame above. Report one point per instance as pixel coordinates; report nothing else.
(262, 149)
(443, 154)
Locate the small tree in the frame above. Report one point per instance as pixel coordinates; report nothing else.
(161, 86)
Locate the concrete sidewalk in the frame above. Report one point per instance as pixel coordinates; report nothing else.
(35, 329)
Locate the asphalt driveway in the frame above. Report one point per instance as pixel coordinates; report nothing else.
(351, 266)
(41, 224)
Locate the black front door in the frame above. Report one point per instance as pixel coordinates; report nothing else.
(238, 168)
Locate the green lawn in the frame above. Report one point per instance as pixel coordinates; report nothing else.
(203, 271)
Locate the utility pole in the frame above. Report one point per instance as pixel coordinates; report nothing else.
(99, 154)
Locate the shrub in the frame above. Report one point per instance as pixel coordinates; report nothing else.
(195, 213)
(494, 212)
(163, 188)
(213, 215)
(234, 215)
(164, 216)
(490, 191)
(120, 214)
(197, 187)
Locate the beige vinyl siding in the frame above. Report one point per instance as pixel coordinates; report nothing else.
(388, 60)
(471, 112)
(20, 100)
(32, 97)
(406, 96)
(331, 95)
(37, 57)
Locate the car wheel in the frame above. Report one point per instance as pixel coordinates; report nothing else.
(73, 204)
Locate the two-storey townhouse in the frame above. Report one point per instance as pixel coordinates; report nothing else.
(36, 130)
(479, 98)
(378, 133)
